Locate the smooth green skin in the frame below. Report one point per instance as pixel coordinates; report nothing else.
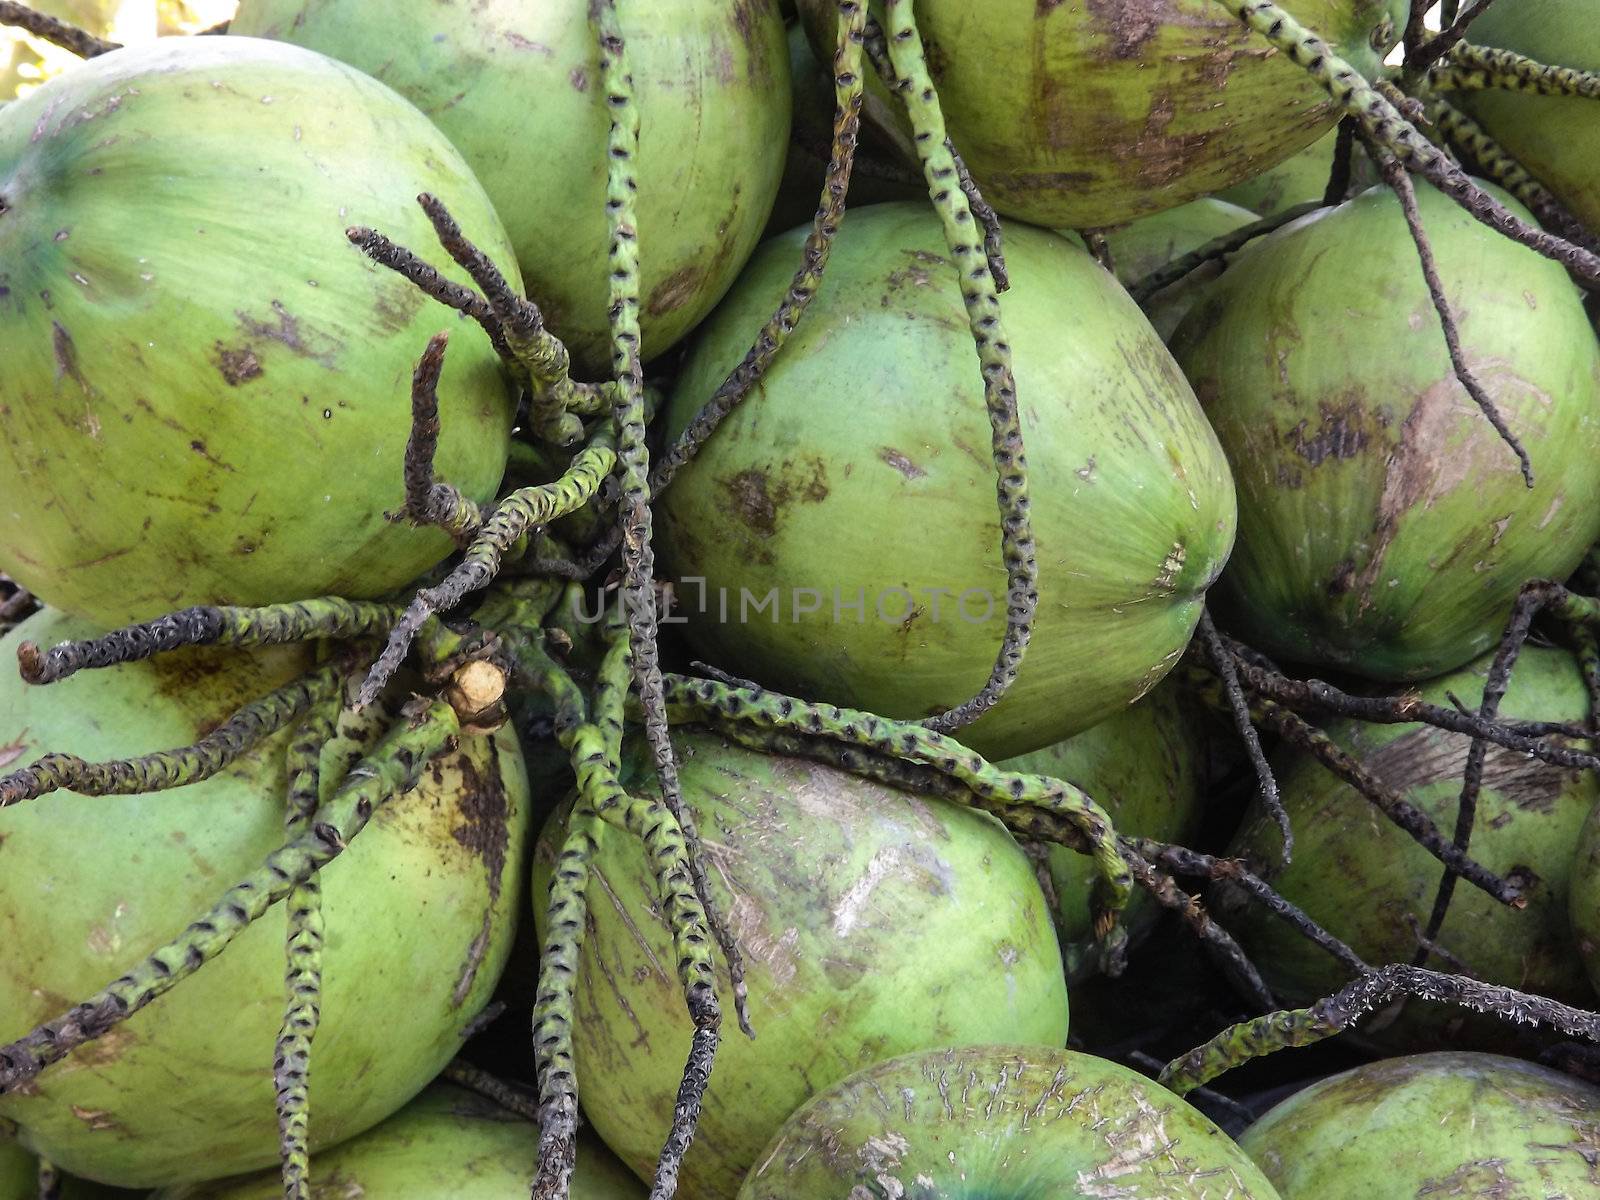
(19, 1172)
(206, 396)
(1433, 1125)
(447, 1144)
(1152, 242)
(811, 139)
(516, 87)
(1361, 876)
(1584, 893)
(862, 464)
(872, 923)
(1089, 114)
(1555, 137)
(1296, 180)
(1144, 767)
(1385, 528)
(996, 1121)
(183, 1089)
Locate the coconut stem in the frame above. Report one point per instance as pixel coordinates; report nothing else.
(1285, 1030)
(595, 748)
(1586, 646)
(1530, 601)
(1182, 861)
(1399, 181)
(1219, 944)
(553, 1011)
(165, 769)
(57, 32)
(848, 85)
(1344, 146)
(993, 248)
(1419, 57)
(1219, 247)
(511, 518)
(428, 501)
(1467, 138)
(326, 618)
(1387, 126)
(554, 398)
(491, 1087)
(1474, 68)
(1223, 664)
(1300, 733)
(49, 1181)
(978, 290)
(994, 790)
(291, 1062)
(427, 279)
(877, 48)
(393, 768)
(343, 737)
(1318, 696)
(633, 460)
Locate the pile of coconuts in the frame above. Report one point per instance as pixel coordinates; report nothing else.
(890, 599)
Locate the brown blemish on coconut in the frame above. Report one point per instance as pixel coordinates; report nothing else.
(525, 44)
(759, 502)
(484, 834)
(1422, 466)
(900, 461)
(396, 307)
(1425, 756)
(66, 355)
(238, 364)
(285, 328)
(675, 291)
(1339, 433)
(752, 502)
(1127, 25)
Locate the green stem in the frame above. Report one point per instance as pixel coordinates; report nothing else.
(1384, 124)
(166, 769)
(982, 299)
(392, 769)
(707, 699)
(1472, 68)
(326, 618)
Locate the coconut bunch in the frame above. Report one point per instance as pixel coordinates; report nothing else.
(848, 686)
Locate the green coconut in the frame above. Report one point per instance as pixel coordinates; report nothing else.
(1385, 527)
(1555, 137)
(1366, 880)
(447, 1144)
(1299, 179)
(1008, 1121)
(19, 1172)
(1152, 242)
(1146, 767)
(206, 396)
(875, 177)
(1433, 1125)
(420, 912)
(516, 86)
(854, 491)
(1584, 890)
(872, 923)
(1091, 114)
